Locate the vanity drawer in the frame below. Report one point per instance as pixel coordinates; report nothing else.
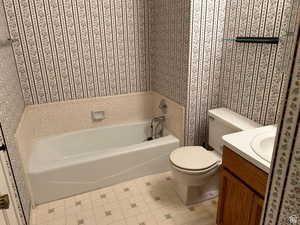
(254, 177)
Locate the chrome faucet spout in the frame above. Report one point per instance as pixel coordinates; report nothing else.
(155, 133)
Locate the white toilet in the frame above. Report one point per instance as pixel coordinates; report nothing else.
(194, 168)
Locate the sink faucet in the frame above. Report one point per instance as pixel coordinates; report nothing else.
(157, 127)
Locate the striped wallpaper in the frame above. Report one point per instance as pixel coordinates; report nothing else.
(253, 75)
(246, 78)
(70, 49)
(204, 66)
(78, 49)
(169, 48)
(282, 202)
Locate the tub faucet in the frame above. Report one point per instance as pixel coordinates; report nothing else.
(157, 127)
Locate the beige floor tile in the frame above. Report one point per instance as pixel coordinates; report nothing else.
(150, 200)
(141, 220)
(121, 222)
(58, 203)
(103, 196)
(61, 221)
(126, 190)
(133, 207)
(108, 214)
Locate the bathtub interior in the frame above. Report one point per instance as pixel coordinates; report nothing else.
(85, 142)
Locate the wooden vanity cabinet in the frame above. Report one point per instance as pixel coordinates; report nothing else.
(242, 190)
(256, 212)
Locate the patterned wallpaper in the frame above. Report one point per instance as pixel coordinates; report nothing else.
(253, 75)
(186, 68)
(246, 78)
(169, 48)
(70, 49)
(205, 66)
(11, 109)
(282, 200)
(78, 49)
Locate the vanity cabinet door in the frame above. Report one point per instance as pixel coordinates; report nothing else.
(235, 201)
(257, 209)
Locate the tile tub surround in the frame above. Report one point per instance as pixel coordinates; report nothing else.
(60, 117)
(149, 200)
(174, 118)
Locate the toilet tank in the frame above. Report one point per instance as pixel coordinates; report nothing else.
(223, 121)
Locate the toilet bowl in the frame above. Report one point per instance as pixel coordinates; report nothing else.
(196, 180)
(194, 168)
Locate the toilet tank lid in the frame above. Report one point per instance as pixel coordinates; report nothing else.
(232, 118)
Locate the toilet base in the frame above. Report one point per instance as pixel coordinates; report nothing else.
(194, 194)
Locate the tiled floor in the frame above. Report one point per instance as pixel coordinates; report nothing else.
(148, 200)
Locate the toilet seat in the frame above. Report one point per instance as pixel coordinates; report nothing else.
(197, 172)
(194, 160)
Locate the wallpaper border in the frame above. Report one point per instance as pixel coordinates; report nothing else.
(281, 200)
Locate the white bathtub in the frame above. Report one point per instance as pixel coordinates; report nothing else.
(76, 162)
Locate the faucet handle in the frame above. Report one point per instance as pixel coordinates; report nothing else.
(163, 106)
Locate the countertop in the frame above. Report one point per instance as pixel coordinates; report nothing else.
(240, 143)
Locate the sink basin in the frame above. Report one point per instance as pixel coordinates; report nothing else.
(263, 145)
